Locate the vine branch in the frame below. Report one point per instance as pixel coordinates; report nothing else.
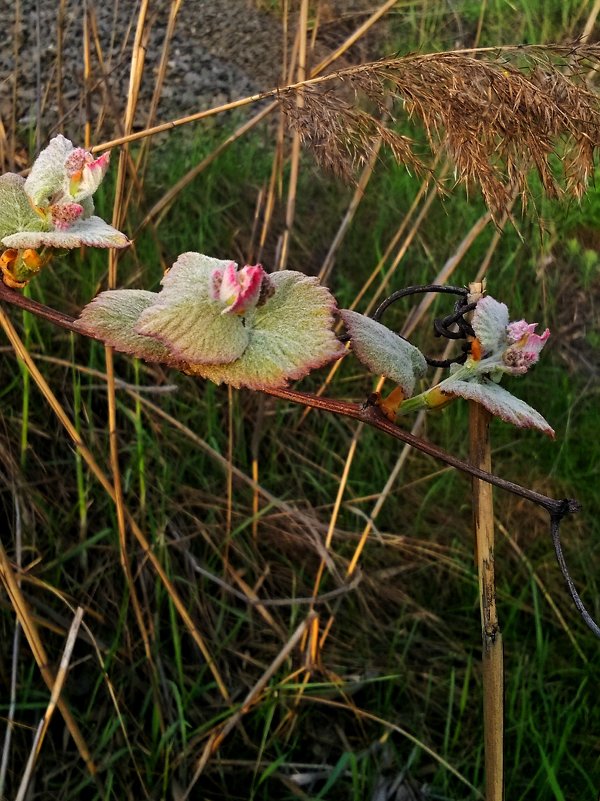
(370, 415)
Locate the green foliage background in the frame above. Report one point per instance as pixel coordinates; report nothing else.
(405, 644)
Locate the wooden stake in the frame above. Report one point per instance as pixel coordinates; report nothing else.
(493, 663)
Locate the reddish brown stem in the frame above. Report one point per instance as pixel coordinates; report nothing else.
(370, 415)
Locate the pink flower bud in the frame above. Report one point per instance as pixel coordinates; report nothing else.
(65, 214)
(525, 346)
(238, 290)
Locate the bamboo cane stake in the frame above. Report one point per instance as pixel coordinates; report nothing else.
(492, 659)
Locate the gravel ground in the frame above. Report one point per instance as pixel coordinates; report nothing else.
(221, 50)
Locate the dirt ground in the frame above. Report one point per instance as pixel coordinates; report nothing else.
(221, 50)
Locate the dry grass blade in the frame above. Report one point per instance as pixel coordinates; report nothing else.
(10, 718)
(542, 587)
(359, 193)
(137, 65)
(99, 474)
(216, 740)
(40, 655)
(295, 156)
(61, 677)
(338, 503)
(142, 158)
(361, 713)
(416, 430)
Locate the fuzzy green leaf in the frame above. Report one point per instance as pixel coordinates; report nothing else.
(188, 321)
(490, 320)
(384, 352)
(16, 213)
(290, 335)
(498, 401)
(112, 316)
(93, 232)
(48, 171)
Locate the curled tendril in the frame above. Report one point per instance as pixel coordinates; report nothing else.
(555, 521)
(557, 509)
(441, 326)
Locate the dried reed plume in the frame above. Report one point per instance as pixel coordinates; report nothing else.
(497, 113)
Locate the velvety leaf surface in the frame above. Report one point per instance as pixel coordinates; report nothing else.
(112, 317)
(490, 320)
(384, 352)
(499, 402)
(188, 321)
(48, 171)
(290, 335)
(93, 232)
(16, 213)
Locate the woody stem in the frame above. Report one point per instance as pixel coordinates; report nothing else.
(492, 660)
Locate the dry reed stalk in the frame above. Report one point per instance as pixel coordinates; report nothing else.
(60, 33)
(334, 517)
(160, 208)
(40, 655)
(253, 695)
(590, 22)
(110, 103)
(108, 487)
(359, 193)
(87, 78)
(12, 702)
(377, 269)
(275, 185)
(137, 63)
(352, 39)
(142, 159)
(290, 210)
(492, 660)
(387, 725)
(138, 54)
(15, 84)
(276, 177)
(543, 589)
(55, 695)
(482, 10)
